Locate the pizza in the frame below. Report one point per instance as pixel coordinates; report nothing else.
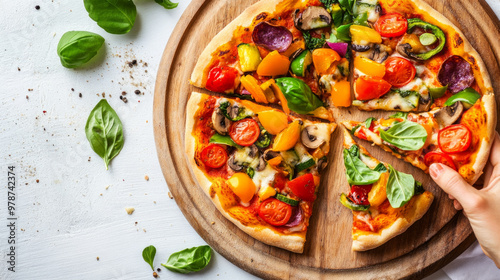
(384, 202)
(455, 135)
(297, 56)
(260, 167)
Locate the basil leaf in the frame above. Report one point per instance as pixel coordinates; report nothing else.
(399, 115)
(419, 189)
(468, 95)
(104, 131)
(224, 140)
(357, 172)
(354, 151)
(114, 16)
(408, 136)
(299, 95)
(380, 168)
(313, 43)
(343, 33)
(369, 121)
(250, 172)
(76, 48)
(400, 188)
(353, 130)
(242, 111)
(148, 254)
(167, 4)
(189, 260)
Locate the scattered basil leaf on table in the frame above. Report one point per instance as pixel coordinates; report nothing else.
(104, 131)
(357, 171)
(299, 95)
(189, 260)
(114, 16)
(400, 188)
(167, 4)
(76, 48)
(148, 254)
(408, 136)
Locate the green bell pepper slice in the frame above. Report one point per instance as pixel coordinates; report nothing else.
(300, 63)
(415, 22)
(468, 95)
(438, 92)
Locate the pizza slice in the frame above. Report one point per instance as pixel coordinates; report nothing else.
(384, 202)
(412, 59)
(260, 167)
(291, 52)
(459, 135)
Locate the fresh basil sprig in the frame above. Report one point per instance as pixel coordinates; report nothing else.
(114, 16)
(242, 111)
(369, 121)
(299, 95)
(400, 188)
(148, 254)
(76, 48)
(224, 140)
(189, 260)
(167, 4)
(407, 136)
(357, 171)
(104, 131)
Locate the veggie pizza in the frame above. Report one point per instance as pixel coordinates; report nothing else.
(261, 166)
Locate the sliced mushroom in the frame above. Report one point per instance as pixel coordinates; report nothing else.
(379, 53)
(312, 18)
(233, 111)
(405, 50)
(322, 163)
(424, 103)
(269, 154)
(262, 164)
(253, 151)
(309, 137)
(221, 123)
(360, 48)
(449, 115)
(233, 164)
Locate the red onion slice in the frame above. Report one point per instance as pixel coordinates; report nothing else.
(340, 48)
(296, 218)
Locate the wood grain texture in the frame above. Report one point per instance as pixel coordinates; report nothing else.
(435, 240)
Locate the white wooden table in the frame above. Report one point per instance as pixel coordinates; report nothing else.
(71, 220)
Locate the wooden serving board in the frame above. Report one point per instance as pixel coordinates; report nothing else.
(439, 237)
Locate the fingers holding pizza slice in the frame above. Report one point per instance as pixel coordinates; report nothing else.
(384, 202)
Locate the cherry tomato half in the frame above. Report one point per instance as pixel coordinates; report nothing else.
(245, 132)
(369, 88)
(303, 187)
(391, 25)
(359, 194)
(213, 156)
(454, 138)
(275, 212)
(438, 157)
(221, 79)
(399, 71)
(361, 134)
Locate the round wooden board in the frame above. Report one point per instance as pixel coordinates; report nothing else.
(439, 237)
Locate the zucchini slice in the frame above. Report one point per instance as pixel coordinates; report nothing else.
(351, 205)
(287, 200)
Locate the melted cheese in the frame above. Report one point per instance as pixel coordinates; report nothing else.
(390, 102)
(264, 178)
(365, 218)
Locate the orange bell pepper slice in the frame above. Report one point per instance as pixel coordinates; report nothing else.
(281, 97)
(275, 161)
(273, 121)
(252, 85)
(287, 138)
(324, 60)
(274, 64)
(299, 44)
(341, 94)
(369, 67)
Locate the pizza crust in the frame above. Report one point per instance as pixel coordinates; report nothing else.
(294, 242)
(367, 241)
(226, 35)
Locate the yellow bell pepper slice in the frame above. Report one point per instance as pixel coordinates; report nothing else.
(322, 113)
(369, 67)
(362, 35)
(268, 90)
(251, 84)
(274, 64)
(299, 44)
(378, 193)
(324, 60)
(266, 192)
(273, 121)
(242, 186)
(256, 108)
(287, 138)
(341, 94)
(249, 57)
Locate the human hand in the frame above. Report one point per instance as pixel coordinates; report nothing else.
(481, 207)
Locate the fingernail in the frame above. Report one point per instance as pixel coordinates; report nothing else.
(436, 169)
